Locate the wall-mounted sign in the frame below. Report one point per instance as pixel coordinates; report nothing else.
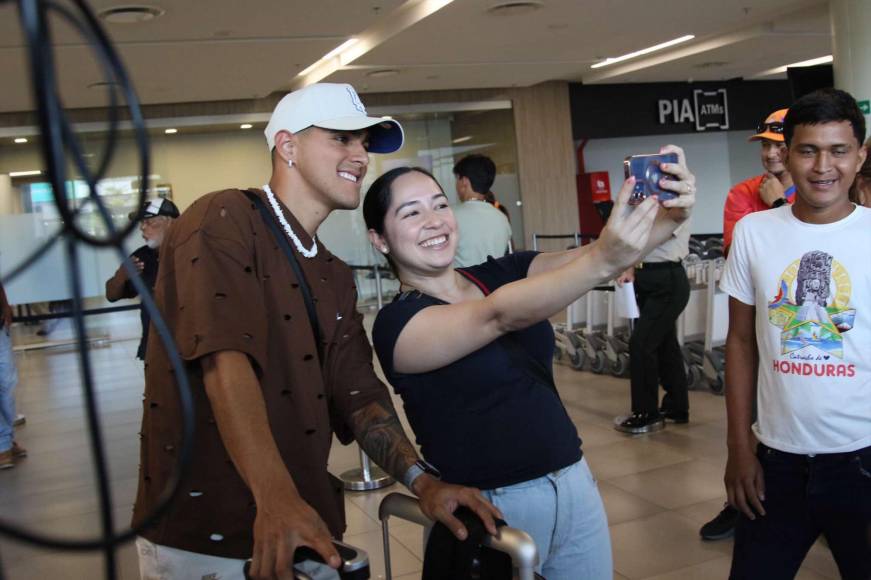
(629, 110)
(865, 106)
(707, 110)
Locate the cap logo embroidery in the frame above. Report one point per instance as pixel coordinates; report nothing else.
(355, 100)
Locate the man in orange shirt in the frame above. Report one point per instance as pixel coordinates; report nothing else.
(771, 189)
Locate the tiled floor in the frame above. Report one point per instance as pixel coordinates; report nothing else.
(658, 489)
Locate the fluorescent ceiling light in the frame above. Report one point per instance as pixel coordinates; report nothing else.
(462, 139)
(782, 69)
(386, 26)
(21, 140)
(648, 50)
(245, 126)
(332, 54)
(24, 173)
(170, 131)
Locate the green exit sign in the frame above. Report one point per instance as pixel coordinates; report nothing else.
(865, 106)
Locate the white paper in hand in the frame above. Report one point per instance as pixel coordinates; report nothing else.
(624, 301)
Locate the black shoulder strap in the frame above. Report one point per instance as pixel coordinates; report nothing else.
(269, 220)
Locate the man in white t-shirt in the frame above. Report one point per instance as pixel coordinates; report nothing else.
(484, 228)
(799, 280)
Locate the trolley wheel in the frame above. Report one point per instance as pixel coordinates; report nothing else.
(577, 359)
(717, 386)
(598, 363)
(557, 353)
(694, 377)
(620, 367)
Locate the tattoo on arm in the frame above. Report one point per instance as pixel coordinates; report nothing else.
(379, 433)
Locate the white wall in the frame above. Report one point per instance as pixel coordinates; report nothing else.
(719, 160)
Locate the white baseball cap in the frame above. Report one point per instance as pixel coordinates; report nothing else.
(332, 106)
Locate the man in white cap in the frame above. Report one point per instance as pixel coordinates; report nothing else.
(156, 216)
(278, 361)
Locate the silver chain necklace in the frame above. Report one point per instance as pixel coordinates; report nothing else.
(280, 215)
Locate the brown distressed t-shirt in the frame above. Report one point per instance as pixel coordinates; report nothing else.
(225, 284)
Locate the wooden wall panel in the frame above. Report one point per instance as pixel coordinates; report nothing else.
(545, 154)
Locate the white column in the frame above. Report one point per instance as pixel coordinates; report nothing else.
(851, 47)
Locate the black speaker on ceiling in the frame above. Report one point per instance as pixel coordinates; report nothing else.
(807, 79)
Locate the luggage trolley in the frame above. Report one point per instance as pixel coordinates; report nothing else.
(571, 346)
(517, 544)
(706, 358)
(615, 342)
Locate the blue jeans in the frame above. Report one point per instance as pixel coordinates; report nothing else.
(8, 380)
(564, 514)
(805, 496)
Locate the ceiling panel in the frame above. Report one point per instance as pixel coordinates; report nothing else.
(205, 50)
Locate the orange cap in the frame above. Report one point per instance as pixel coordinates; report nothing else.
(765, 132)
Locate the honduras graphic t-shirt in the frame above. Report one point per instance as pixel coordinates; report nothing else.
(811, 286)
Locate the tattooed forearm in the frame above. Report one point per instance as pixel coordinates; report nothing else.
(380, 435)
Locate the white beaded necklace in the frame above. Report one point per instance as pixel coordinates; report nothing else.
(280, 215)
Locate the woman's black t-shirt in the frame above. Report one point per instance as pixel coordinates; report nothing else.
(483, 421)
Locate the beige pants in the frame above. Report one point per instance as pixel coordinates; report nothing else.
(158, 562)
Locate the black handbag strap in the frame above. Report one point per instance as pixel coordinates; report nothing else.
(269, 219)
(533, 366)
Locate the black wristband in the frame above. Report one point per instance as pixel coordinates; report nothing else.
(779, 202)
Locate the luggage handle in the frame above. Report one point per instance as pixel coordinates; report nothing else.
(516, 543)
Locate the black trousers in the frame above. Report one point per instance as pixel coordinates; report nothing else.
(663, 291)
(805, 496)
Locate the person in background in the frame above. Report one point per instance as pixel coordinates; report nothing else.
(10, 451)
(860, 193)
(485, 229)
(662, 291)
(770, 189)
(156, 215)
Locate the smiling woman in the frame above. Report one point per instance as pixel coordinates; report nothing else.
(469, 350)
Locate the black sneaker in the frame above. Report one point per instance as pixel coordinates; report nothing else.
(639, 423)
(679, 417)
(722, 526)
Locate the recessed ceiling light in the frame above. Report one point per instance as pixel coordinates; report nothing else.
(21, 140)
(245, 126)
(170, 131)
(24, 173)
(130, 14)
(643, 51)
(381, 73)
(515, 7)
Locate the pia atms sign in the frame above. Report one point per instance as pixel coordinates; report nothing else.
(707, 110)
